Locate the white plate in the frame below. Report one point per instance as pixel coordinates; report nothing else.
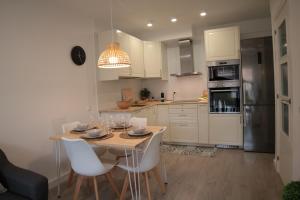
(139, 132)
(86, 136)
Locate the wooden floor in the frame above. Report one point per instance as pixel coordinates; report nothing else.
(230, 175)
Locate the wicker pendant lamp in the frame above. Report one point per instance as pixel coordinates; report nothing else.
(113, 56)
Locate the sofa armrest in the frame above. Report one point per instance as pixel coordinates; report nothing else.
(24, 182)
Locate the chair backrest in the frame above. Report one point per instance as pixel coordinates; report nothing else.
(69, 126)
(84, 160)
(151, 154)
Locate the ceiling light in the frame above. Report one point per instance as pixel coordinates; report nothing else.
(113, 56)
(149, 24)
(173, 20)
(118, 31)
(203, 14)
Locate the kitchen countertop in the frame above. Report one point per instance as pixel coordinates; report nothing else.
(153, 103)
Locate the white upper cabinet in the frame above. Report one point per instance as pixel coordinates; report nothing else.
(137, 56)
(154, 60)
(131, 45)
(222, 43)
(148, 59)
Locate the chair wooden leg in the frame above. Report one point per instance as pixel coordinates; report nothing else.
(70, 178)
(124, 189)
(147, 185)
(96, 188)
(77, 189)
(158, 178)
(112, 183)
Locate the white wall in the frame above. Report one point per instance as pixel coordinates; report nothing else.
(192, 87)
(40, 86)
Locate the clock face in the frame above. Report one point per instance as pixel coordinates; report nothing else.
(78, 55)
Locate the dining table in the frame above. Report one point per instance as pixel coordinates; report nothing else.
(130, 145)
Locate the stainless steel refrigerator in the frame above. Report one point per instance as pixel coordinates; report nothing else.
(258, 94)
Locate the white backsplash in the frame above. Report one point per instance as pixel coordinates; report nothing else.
(109, 92)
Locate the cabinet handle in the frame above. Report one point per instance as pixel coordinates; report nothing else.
(183, 125)
(182, 115)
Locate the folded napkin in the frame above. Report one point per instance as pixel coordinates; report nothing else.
(138, 123)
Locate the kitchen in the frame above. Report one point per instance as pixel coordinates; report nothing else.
(217, 80)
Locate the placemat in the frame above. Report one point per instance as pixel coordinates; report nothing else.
(100, 138)
(82, 131)
(120, 128)
(125, 135)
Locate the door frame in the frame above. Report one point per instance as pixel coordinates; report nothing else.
(283, 147)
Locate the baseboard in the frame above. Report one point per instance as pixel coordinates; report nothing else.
(54, 181)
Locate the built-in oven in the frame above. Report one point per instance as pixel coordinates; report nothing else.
(224, 100)
(224, 71)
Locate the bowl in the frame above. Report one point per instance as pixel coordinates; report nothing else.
(123, 104)
(82, 127)
(94, 132)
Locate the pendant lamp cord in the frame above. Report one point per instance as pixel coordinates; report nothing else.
(111, 22)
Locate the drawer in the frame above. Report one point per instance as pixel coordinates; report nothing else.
(187, 122)
(182, 111)
(184, 115)
(203, 109)
(181, 133)
(183, 106)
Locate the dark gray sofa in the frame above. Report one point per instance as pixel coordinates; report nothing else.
(21, 184)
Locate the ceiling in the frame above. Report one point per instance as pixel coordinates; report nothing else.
(132, 15)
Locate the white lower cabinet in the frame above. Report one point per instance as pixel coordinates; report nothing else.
(149, 113)
(184, 132)
(191, 124)
(225, 129)
(162, 119)
(203, 124)
(183, 123)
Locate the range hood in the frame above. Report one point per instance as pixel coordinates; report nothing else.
(186, 59)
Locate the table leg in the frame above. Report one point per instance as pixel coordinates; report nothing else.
(134, 154)
(164, 170)
(138, 176)
(129, 178)
(58, 162)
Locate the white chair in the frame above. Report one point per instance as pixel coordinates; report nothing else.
(149, 161)
(99, 150)
(86, 164)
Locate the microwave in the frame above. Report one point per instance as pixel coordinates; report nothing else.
(228, 70)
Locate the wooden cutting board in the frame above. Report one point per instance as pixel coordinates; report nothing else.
(127, 94)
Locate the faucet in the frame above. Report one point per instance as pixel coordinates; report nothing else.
(174, 96)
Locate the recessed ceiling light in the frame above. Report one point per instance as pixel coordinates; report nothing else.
(203, 14)
(149, 24)
(174, 20)
(118, 31)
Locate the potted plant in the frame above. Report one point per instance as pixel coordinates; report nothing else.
(291, 191)
(145, 94)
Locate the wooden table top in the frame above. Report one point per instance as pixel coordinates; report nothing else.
(116, 141)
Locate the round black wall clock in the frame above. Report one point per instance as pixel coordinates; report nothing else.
(78, 55)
